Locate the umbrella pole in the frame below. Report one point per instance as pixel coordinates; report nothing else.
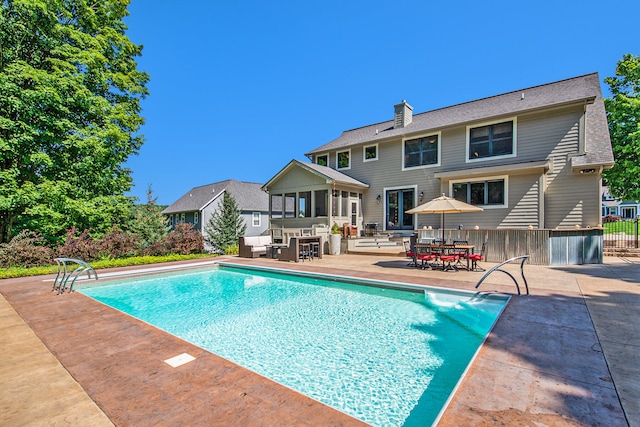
(443, 242)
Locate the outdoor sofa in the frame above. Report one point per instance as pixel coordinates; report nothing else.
(253, 246)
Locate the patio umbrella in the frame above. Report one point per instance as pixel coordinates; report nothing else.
(442, 205)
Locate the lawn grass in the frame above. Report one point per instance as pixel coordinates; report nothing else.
(14, 272)
(627, 227)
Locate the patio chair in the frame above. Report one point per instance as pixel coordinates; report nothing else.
(462, 254)
(448, 257)
(410, 254)
(426, 259)
(474, 258)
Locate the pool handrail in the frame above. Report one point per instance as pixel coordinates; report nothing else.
(523, 259)
(63, 276)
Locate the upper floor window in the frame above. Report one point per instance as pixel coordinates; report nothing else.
(496, 139)
(322, 160)
(256, 219)
(370, 153)
(424, 151)
(490, 192)
(343, 159)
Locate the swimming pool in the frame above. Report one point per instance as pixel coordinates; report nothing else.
(388, 356)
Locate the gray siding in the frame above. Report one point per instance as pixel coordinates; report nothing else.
(253, 230)
(567, 198)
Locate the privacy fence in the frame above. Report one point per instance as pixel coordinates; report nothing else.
(545, 246)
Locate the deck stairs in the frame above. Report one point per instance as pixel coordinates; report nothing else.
(376, 245)
(621, 252)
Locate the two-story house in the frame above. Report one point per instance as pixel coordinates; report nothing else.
(531, 158)
(198, 204)
(625, 209)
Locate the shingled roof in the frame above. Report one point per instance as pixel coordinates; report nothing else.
(248, 196)
(584, 89)
(330, 175)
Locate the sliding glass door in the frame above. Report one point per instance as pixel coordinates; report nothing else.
(397, 202)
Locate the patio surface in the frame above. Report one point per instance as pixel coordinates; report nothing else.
(568, 355)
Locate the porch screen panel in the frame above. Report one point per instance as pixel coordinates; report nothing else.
(320, 199)
(344, 211)
(290, 205)
(304, 204)
(276, 206)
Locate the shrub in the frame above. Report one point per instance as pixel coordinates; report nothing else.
(611, 218)
(157, 249)
(184, 240)
(26, 249)
(118, 244)
(82, 246)
(232, 250)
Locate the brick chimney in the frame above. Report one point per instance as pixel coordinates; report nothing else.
(402, 114)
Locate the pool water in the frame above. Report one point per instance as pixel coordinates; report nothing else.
(386, 356)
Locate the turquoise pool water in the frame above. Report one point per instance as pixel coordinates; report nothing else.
(387, 356)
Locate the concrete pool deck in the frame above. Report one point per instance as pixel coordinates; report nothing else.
(566, 355)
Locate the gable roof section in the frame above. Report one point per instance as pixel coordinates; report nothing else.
(248, 195)
(329, 175)
(565, 92)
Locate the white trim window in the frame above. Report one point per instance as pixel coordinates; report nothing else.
(343, 159)
(489, 192)
(322, 159)
(195, 217)
(370, 153)
(491, 140)
(256, 219)
(182, 217)
(422, 152)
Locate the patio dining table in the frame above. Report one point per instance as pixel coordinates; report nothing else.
(421, 248)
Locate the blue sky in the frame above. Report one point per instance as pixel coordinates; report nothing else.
(239, 88)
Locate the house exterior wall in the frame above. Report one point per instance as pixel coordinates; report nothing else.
(255, 230)
(553, 198)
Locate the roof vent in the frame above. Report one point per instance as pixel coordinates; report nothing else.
(402, 114)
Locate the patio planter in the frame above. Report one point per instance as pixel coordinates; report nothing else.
(334, 244)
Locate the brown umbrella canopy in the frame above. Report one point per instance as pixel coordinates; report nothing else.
(442, 205)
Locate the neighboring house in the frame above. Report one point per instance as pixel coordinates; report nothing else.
(627, 209)
(199, 203)
(530, 158)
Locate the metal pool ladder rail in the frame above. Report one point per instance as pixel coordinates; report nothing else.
(523, 259)
(62, 279)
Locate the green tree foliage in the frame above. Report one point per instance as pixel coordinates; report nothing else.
(148, 223)
(623, 113)
(69, 115)
(225, 226)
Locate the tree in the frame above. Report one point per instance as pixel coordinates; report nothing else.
(69, 114)
(226, 225)
(148, 223)
(623, 114)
